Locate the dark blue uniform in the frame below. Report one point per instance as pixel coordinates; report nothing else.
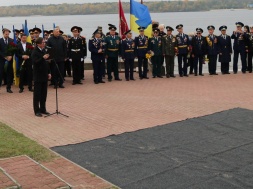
(199, 51)
(212, 53)
(141, 48)
(97, 58)
(127, 53)
(250, 51)
(225, 51)
(240, 42)
(182, 46)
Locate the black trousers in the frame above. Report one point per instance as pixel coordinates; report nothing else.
(224, 67)
(77, 70)
(82, 69)
(156, 62)
(57, 75)
(191, 64)
(6, 74)
(112, 66)
(170, 65)
(26, 74)
(182, 64)
(198, 64)
(98, 70)
(142, 62)
(39, 97)
(129, 68)
(67, 68)
(243, 59)
(212, 65)
(250, 56)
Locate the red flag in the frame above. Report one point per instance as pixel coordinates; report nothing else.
(123, 27)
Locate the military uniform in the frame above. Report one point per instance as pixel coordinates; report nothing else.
(76, 55)
(225, 51)
(182, 48)
(240, 43)
(169, 44)
(84, 55)
(112, 45)
(141, 49)
(198, 51)
(212, 51)
(250, 51)
(155, 45)
(95, 46)
(127, 53)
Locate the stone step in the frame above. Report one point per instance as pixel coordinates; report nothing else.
(31, 175)
(6, 182)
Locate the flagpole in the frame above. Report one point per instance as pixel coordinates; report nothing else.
(141, 1)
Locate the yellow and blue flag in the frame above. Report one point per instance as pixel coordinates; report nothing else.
(26, 32)
(140, 17)
(16, 67)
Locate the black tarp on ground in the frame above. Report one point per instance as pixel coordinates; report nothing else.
(214, 151)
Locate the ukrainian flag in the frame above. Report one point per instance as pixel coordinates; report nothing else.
(26, 31)
(140, 17)
(15, 64)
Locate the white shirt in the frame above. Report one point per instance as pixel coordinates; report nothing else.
(24, 46)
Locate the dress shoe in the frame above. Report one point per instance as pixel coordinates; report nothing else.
(74, 83)
(31, 90)
(109, 80)
(250, 71)
(181, 75)
(215, 74)
(61, 86)
(235, 72)
(160, 76)
(167, 76)
(190, 73)
(127, 79)
(21, 90)
(38, 114)
(141, 78)
(96, 82)
(45, 112)
(186, 75)
(227, 73)
(172, 76)
(244, 72)
(101, 82)
(80, 83)
(9, 91)
(195, 74)
(118, 79)
(201, 74)
(154, 76)
(132, 79)
(210, 74)
(146, 77)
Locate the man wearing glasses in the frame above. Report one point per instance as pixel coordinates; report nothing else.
(239, 37)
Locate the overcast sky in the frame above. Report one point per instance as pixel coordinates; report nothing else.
(45, 2)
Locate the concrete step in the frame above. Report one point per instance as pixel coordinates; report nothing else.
(6, 182)
(29, 174)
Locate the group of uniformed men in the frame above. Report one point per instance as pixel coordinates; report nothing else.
(66, 51)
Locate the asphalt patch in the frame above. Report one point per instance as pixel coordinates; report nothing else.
(214, 151)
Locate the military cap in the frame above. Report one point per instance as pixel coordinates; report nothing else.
(31, 31)
(100, 28)
(251, 26)
(61, 32)
(96, 31)
(50, 31)
(112, 27)
(129, 31)
(179, 26)
(141, 28)
(5, 29)
(223, 28)
(21, 31)
(76, 28)
(239, 24)
(210, 27)
(199, 30)
(156, 30)
(46, 32)
(155, 25)
(36, 30)
(17, 31)
(168, 28)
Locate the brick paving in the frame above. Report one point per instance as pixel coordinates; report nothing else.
(6, 182)
(97, 111)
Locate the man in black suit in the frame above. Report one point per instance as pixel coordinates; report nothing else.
(59, 48)
(6, 59)
(25, 63)
(41, 74)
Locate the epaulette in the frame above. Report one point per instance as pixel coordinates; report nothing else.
(91, 38)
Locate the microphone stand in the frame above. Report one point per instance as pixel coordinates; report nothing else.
(56, 92)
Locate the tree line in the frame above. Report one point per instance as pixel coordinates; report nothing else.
(111, 8)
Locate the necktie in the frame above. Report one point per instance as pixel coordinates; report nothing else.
(6, 41)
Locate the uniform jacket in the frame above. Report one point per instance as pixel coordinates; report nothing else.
(127, 48)
(112, 46)
(225, 48)
(212, 45)
(77, 48)
(3, 47)
(240, 41)
(141, 46)
(182, 43)
(168, 45)
(94, 46)
(59, 48)
(250, 42)
(21, 52)
(40, 66)
(198, 46)
(155, 45)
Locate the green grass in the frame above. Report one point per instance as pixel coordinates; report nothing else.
(13, 143)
